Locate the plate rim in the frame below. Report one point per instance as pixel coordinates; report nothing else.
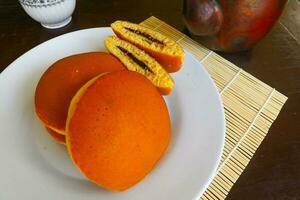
(221, 105)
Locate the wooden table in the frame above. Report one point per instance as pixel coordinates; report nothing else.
(274, 171)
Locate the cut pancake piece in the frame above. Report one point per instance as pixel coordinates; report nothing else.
(61, 81)
(165, 50)
(137, 60)
(118, 128)
(56, 136)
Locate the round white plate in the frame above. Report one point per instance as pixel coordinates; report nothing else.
(33, 166)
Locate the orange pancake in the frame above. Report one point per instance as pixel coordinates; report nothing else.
(61, 81)
(56, 136)
(118, 127)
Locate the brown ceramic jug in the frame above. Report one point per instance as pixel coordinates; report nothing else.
(231, 25)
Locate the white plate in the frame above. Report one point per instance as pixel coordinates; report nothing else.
(33, 166)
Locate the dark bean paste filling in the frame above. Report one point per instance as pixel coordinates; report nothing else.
(137, 61)
(146, 35)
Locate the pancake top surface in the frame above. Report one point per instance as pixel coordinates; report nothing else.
(61, 81)
(118, 129)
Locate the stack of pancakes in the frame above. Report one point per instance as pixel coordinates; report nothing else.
(108, 109)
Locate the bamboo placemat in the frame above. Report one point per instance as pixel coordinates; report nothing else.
(250, 105)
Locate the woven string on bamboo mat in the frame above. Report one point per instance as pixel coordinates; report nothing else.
(250, 107)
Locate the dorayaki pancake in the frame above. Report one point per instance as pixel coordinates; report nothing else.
(118, 128)
(165, 50)
(137, 60)
(61, 81)
(56, 136)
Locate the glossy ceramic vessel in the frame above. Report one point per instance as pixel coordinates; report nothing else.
(51, 14)
(231, 25)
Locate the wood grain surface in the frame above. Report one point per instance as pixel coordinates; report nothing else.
(274, 171)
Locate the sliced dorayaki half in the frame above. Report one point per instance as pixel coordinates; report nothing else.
(165, 50)
(138, 60)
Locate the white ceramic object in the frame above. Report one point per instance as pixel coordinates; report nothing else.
(33, 166)
(51, 14)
